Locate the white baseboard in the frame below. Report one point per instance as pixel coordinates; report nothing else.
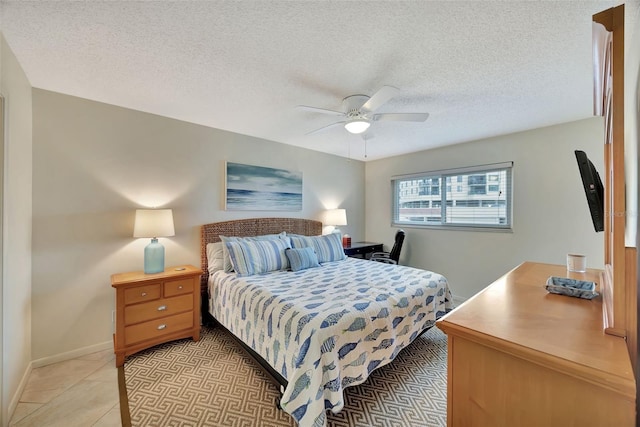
(38, 363)
(16, 397)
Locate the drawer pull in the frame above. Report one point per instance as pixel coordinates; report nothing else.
(144, 294)
(161, 327)
(162, 308)
(180, 287)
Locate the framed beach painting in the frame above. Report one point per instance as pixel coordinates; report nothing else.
(258, 188)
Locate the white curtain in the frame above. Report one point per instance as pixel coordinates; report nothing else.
(602, 75)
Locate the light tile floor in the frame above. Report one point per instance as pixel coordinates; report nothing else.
(79, 392)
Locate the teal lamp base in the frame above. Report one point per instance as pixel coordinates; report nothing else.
(153, 257)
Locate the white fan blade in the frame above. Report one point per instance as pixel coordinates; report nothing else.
(320, 110)
(401, 117)
(325, 127)
(380, 97)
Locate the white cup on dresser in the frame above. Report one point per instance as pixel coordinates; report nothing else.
(576, 263)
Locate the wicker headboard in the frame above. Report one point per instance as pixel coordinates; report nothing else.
(210, 233)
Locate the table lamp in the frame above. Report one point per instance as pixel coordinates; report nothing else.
(153, 223)
(336, 217)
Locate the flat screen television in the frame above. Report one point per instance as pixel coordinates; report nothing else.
(593, 189)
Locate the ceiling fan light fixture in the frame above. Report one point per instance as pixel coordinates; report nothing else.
(357, 125)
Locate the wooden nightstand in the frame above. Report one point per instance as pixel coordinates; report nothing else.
(155, 308)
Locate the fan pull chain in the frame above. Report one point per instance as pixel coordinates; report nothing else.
(365, 146)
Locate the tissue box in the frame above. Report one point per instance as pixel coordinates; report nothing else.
(571, 287)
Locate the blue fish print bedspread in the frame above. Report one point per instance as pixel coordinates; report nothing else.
(329, 327)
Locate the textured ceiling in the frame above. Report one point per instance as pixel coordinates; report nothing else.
(480, 68)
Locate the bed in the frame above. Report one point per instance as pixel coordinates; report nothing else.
(314, 319)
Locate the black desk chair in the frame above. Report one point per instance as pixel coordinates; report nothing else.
(393, 256)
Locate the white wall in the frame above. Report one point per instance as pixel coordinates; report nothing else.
(550, 213)
(16, 229)
(94, 164)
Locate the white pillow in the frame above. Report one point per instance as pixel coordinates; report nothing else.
(215, 257)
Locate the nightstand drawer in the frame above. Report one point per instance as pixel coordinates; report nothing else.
(178, 287)
(155, 309)
(156, 328)
(142, 293)
(362, 249)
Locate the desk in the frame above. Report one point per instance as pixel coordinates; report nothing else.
(519, 356)
(362, 249)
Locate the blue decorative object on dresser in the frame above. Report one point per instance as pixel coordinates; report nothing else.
(571, 287)
(153, 257)
(153, 223)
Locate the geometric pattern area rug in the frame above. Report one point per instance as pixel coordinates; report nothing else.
(213, 382)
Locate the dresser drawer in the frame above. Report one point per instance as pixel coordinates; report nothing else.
(142, 293)
(178, 287)
(159, 308)
(156, 328)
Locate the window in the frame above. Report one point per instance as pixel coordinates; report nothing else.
(429, 186)
(481, 198)
(477, 184)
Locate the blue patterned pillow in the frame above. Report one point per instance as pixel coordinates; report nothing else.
(328, 247)
(258, 256)
(226, 259)
(303, 258)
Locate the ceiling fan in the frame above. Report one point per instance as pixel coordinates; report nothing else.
(359, 111)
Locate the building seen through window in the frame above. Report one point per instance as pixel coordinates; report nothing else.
(480, 198)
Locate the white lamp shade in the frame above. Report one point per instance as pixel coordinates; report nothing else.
(153, 223)
(357, 126)
(335, 217)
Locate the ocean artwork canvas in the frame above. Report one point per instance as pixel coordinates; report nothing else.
(259, 188)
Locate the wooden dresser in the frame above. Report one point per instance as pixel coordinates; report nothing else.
(155, 308)
(519, 356)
